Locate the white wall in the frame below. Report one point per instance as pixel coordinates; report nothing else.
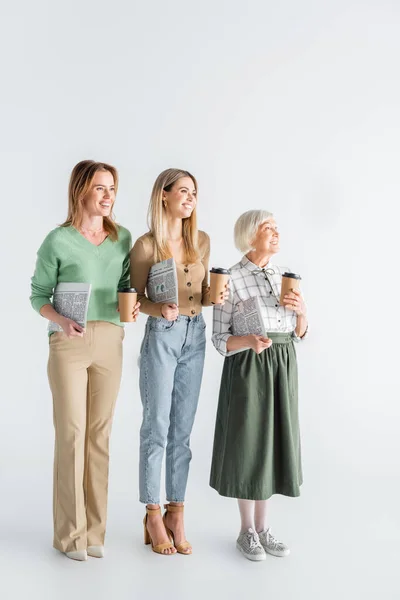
(288, 106)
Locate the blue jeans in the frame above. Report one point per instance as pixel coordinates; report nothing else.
(171, 368)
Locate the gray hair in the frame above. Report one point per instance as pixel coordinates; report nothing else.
(246, 228)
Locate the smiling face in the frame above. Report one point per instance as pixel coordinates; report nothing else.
(181, 200)
(100, 198)
(266, 240)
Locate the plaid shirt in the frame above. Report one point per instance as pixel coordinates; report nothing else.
(248, 280)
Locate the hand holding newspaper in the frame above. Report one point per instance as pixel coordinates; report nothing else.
(247, 318)
(162, 282)
(71, 300)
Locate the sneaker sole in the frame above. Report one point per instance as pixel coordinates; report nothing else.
(252, 557)
(278, 554)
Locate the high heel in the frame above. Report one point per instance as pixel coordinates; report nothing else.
(159, 548)
(183, 545)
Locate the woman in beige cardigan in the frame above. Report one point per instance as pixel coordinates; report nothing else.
(172, 353)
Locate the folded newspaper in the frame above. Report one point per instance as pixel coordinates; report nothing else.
(247, 317)
(162, 282)
(71, 300)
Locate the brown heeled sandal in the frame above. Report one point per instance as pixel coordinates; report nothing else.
(183, 545)
(159, 548)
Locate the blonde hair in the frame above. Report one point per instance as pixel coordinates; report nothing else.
(157, 218)
(79, 184)
(246, 228)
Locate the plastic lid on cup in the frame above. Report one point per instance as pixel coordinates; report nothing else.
(220, 271)
(291, 275)
(127, 291)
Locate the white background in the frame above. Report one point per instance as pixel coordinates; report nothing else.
(288, 106)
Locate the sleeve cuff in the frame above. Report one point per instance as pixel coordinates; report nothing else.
(38, 303)
(297, 338)
(206, 297)
(219, 340)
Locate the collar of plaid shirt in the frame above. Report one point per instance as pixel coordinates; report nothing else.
(270, 273)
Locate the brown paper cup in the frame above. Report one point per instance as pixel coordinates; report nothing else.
(290, 282)
(126, 303)
(218, 281)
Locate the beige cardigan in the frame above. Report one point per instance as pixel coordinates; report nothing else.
(193, 291)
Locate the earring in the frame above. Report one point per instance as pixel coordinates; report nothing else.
(164, 202)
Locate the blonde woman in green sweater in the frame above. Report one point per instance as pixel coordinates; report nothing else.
(84, 367)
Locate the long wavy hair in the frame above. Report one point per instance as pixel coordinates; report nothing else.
(157, 218)
(79, 184)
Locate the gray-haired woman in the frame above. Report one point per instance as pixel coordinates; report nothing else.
(257, 441)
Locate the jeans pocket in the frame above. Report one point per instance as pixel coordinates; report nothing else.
(202, 323)
(160, 324)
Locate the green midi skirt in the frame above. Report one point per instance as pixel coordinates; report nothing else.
(257, 440)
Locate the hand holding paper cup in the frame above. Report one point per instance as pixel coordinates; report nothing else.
(218, 280)
(290, 282)
(127, 298)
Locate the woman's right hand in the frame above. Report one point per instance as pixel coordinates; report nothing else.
(71, 329)
(170, 311)
(258, 343)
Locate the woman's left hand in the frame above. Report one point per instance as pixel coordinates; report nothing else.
(136, 311)
(225, 294)
(294, 301)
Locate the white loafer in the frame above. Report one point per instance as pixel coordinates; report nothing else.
(96, 551)
(77, 554)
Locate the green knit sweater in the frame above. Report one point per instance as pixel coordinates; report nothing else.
(67, 256)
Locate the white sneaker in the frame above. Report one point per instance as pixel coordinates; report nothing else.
(248, 544)
(77, 554)
(96, 551)
(272, 545)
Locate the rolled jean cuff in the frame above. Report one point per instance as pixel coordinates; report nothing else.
(175, 499)
(149, 501)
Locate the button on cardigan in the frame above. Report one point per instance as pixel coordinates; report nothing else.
(193, 290)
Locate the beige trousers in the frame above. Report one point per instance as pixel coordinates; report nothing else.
(84, 375)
